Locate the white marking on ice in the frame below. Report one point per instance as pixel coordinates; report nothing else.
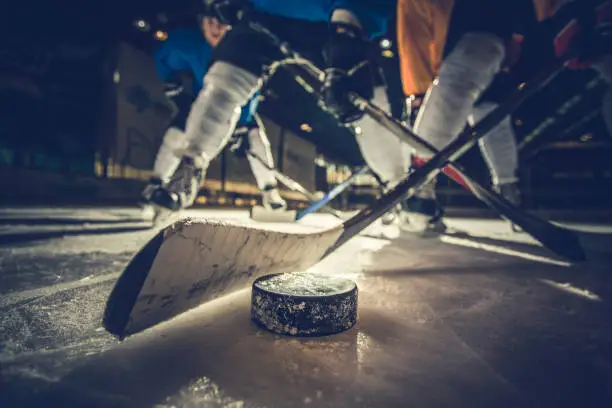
(501, 250)
(569, 288)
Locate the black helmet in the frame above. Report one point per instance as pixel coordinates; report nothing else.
(205, 8)
(225, 11)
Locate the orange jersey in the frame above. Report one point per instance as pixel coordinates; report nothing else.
(545, 8)
(422, 28)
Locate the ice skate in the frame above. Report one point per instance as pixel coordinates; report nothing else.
(145, 196)
(422, 214)
(390, 223)
(274, 208)
(182, 191)
(148, 212)
(386, 227)
(510, 192)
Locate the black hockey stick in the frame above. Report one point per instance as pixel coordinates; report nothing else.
(559, 240)
(333, 193)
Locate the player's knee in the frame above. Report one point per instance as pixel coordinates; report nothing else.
(229, 82)
(226, 89)
(474, 61)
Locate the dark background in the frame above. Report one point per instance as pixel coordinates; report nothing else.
(59, 56)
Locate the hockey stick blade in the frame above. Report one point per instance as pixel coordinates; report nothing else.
(197, 260)
(559, 240)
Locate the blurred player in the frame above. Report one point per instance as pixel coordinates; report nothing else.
(339, 27)
(581, 24)
(424, 42)
(192, 50)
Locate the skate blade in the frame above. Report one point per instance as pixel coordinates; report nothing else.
(262, 214)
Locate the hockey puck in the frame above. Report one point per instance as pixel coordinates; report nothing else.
(304, 304)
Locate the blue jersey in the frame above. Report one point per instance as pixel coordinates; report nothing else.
(373, 14)
(187, 50)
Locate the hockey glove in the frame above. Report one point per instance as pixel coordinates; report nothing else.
(348, 69)
(239, 143)
(585, 30)
(413, 104)
(181, 101)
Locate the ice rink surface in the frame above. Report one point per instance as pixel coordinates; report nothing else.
(482, 318)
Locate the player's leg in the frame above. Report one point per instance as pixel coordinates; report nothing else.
(259, 145)
(230, 82)
(500, 153)
(469, 68)
(168, 155)
(166, 161)
(383, 152)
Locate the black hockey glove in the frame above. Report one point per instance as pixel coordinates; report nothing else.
(172, 89)
(228, 12)
(347, 69)
(413, 105)
(239, 143)
(182, 102)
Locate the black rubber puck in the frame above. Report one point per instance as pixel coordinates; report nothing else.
(304, 304)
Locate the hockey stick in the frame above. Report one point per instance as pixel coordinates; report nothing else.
(559, 240)
(196, 260)
(295, 186)
(333, 193)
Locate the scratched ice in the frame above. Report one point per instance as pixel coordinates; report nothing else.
(440, 325)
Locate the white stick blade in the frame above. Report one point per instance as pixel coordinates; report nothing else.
(197, 260)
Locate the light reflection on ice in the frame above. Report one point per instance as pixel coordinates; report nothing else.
(202, 393)
(364, 343)
(501, 250)
(569, 288)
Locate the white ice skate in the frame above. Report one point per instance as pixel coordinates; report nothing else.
(274, 208)
(422, 214)
(148, 212)
(386, 227)
(180, 193)
(510, 192)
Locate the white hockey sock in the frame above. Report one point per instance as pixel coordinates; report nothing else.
(464, 75)
(260, 146)
(216, 111)
(168, 159)
(498, 147)
(384, 152)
